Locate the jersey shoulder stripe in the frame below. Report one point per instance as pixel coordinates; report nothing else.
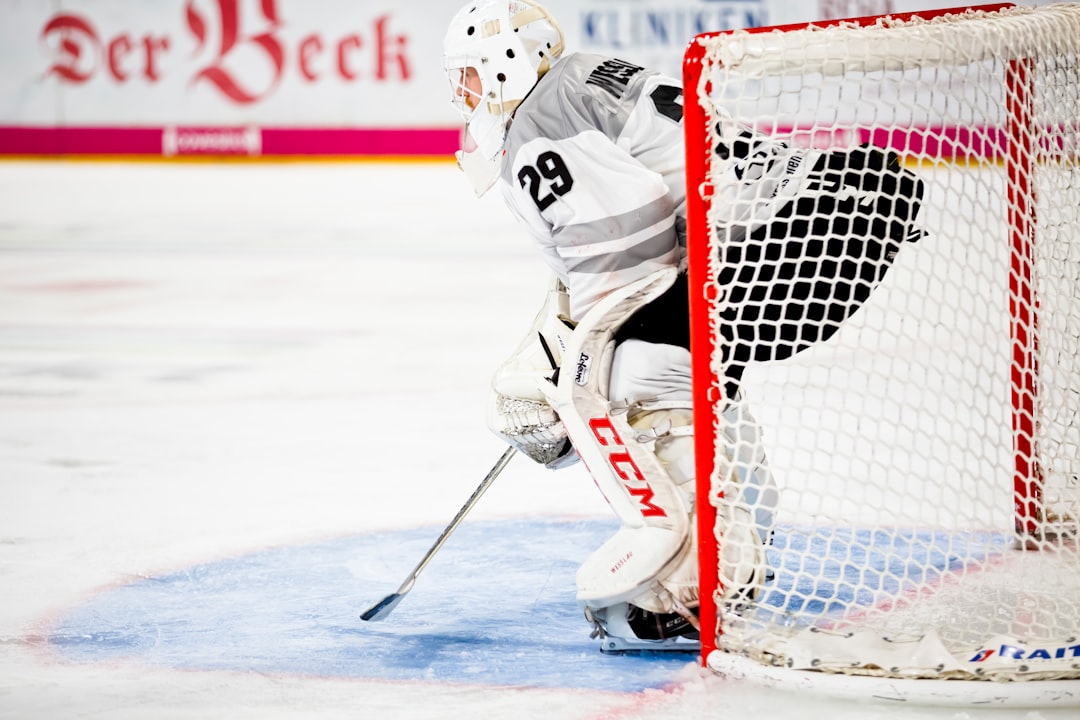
(582, 92)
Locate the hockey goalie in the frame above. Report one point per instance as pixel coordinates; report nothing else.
(588, 152)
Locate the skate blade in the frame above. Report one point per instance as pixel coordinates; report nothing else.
(611, 645)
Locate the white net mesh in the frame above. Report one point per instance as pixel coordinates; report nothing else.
(936, 427)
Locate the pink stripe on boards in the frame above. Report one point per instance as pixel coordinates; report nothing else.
(330, 141)
(949, 142)
(79, 141)
(232, 141)
(956, 142)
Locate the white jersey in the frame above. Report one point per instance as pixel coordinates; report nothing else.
(595, 168)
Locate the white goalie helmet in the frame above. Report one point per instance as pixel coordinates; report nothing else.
(504, 47)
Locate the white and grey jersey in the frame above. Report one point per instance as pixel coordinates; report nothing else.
(595, 170)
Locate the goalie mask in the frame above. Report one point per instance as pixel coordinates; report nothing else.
(493, 53)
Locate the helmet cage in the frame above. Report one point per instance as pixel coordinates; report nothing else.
(510, 44)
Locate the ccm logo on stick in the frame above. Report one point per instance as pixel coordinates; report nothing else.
(618, 457)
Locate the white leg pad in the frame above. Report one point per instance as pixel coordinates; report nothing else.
(635, 482)
(677, 587)
(626, 563)
(640, 454)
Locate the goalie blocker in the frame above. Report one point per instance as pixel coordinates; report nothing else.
(621, 400)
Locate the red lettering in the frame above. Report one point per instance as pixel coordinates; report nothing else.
(77, 43)
(310, 48)
(645, 496)
(266, 43)
(195, 23)
(348, 43)
(390, 50)
(603, 426)
(623, 458)
(118, 50)
(240, 53)
(153, 46)
(624, 466)
(81, 49)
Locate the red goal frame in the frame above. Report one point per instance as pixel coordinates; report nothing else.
(1027, 482)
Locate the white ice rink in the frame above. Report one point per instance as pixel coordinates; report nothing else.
(201, 363)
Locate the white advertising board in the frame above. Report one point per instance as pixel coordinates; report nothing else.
(297, 76)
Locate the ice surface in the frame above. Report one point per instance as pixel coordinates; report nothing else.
(237, 403)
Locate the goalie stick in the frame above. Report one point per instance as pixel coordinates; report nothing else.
(384, 607)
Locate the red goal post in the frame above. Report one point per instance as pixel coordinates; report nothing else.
(1036, 186)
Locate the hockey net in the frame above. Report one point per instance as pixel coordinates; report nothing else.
(927, 454)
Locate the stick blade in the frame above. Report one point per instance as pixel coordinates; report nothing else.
(384, 607)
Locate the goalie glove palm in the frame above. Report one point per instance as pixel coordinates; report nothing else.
(533, 428)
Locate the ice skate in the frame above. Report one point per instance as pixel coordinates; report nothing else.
(626, 628)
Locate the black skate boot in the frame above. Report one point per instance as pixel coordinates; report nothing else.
(626, 628)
